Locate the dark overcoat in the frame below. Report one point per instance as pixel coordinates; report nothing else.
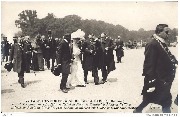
(28, 54)
(87, 62)
(46, 49)
(97, 55)
(107, 56)
(119, 49)
(64, 56)
(158, 66)
(5, 48)
(53, 46)
(17, 55)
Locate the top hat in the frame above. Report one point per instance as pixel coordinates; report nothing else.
(67, 36)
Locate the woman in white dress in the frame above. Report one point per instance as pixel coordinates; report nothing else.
(76, 76)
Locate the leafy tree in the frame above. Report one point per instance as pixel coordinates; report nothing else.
(26, 21)
(31, 25)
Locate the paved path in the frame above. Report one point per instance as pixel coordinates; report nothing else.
(42, 91)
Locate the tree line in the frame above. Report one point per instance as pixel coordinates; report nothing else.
(31, 25)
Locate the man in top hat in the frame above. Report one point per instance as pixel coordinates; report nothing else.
(53, 46)
(15, 39)
(107, 58)
(47, 49)
(119, 49)
(64, 57)
(87, 62)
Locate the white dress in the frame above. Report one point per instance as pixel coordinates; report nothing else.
(76, 78)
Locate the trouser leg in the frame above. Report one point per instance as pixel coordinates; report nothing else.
(141, 107)
(104, 73)
(53, 60)
(120, 59)
(166, 109)
(63, 81)
(48, 63)
(21, 78)
(95, 75)
(6, 58)
(85, 75)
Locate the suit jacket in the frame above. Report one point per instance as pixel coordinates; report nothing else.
(47, 52)
(157, 64)
(64, 56)
(107, 56)
(87, 55)
(53, 46)
(5, 49)
(18, 55)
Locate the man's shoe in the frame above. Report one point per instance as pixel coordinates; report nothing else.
(86, 83)
(64, 91)
(22, 85)
(97, 83)
(102, 82)
(67, 88)
(137, 111)
(19, 82)
(81, 86)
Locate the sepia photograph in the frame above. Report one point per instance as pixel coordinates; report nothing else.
(89, 57)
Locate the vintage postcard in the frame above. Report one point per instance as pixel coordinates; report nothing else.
(92, 56)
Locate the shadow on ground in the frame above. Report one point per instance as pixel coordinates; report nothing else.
(31, 82)
(7, 91)
(108, 79)
(112, 79)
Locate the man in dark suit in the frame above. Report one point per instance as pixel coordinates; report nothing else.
(119, 49)
(28, 53)
(159, 71)
(107, 58)
(64, 59)
(87, 61)
(47, 50)
(53, 46)
(5, 48)
(17, 57)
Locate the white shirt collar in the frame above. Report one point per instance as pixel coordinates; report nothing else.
(65, 40)
(157, 37)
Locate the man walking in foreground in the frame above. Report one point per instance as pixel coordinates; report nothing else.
(159, 71)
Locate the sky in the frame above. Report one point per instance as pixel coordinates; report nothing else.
(131, 15)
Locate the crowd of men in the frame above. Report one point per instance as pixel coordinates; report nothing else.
(96, 54)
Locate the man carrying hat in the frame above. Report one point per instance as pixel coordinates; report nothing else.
(64, 60)
(17, 57)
